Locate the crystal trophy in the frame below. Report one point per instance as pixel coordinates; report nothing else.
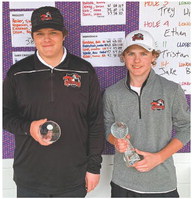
(120, 130)
(50, 131)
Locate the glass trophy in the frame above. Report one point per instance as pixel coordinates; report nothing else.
(50, 131)
(120, 130)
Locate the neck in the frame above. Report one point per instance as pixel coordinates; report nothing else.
(137, 81)
(53, 60)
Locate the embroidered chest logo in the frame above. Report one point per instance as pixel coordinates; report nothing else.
(158, 104)
(47, 16)
(73, 80)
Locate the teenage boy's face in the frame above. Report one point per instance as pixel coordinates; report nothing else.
(49, 42)
(138, 61)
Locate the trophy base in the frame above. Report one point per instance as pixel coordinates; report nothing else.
(131, 159)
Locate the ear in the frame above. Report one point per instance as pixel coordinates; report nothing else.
(153, 58)
(122, 58)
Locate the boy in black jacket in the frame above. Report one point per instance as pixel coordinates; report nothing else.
(54, 85)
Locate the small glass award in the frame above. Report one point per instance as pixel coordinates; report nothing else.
(50, 131)
(120, 130)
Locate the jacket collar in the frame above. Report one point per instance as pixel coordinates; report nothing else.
(42, 61)
(146, 82)
(42, 65)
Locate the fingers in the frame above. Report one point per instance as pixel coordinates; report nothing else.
(128, 136)
(34, 131)
(149, 161)
(90, 186)
(42, 121)
(91, 181)
(140, 152)
(121, 145)
(43, 142)
(141, 166)
(144, 169)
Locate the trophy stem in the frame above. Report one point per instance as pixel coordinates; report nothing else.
(130, 156)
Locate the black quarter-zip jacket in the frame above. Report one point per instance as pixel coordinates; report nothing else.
(70, 95)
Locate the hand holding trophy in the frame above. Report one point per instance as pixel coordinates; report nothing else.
(50, 131)
(120, 130)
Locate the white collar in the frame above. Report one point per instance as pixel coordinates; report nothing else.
(42, 61)
(136, 89)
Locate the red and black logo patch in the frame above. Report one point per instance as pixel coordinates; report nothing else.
(72, 79)
(138, 36)
(158, 104)
(47, 16)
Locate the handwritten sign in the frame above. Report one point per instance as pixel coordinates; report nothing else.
(170, 26)
(21, 29)
(102, 49)
(102, 13)
(20, 55)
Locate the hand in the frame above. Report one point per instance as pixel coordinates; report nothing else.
(34, 131)
(121, 145)
(150, 160)
(91, 181)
